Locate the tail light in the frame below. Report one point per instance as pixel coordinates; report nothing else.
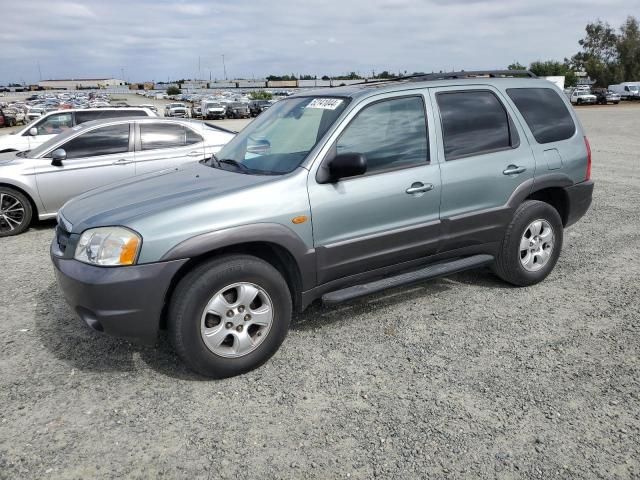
(588, 175)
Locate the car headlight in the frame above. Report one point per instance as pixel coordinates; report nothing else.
(108, 246)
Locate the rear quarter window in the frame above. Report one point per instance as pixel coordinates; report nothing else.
(545, 113)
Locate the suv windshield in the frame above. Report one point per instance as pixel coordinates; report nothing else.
(280, 139)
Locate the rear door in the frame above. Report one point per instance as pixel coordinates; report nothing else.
(484, 158)
(96, 158)
(161, 145)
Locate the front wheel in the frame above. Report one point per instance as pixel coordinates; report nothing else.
(229, 315)
(531, 245)
(15, 212)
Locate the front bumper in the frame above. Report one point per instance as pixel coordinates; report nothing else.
(579, 196)
(121, 301)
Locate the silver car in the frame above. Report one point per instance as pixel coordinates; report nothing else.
(39, 181)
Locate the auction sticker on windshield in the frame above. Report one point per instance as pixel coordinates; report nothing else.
(325, 103)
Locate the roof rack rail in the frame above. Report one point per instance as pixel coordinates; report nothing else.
(474, 74)
(422, 77)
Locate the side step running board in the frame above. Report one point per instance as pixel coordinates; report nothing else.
(432, 271)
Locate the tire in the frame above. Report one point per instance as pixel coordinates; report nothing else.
(16, 212)
(223, 356)
(510, 261)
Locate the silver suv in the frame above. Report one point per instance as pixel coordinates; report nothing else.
(329, 195)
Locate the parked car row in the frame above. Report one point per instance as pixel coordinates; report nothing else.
(38, 105)
(587, 96)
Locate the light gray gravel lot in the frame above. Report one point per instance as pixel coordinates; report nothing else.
(463, 377)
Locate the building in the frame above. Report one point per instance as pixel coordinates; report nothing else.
(80, 83)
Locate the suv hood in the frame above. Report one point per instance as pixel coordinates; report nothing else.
(120, 203)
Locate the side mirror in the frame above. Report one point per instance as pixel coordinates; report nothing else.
(345, 165)
(33, 131)
(58, 156)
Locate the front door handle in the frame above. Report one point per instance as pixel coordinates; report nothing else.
(194, 154)
(419, 187)
(123, 161)
(513, 170)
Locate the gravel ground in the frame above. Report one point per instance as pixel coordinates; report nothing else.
(463, 377)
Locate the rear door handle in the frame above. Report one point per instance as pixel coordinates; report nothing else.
(513, 170)
(123, 161)
(419, 187)
(195, 154)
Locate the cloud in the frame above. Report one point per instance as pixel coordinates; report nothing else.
(163, 39)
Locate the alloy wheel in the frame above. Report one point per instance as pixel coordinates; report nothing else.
(236, 320)
(536, 245)
(12, 213)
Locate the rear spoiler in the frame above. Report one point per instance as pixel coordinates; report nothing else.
(222, 129)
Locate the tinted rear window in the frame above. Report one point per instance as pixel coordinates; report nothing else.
(545, 113)
(473, 122)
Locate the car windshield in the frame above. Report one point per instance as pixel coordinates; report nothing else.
(280, 139)
(633, 88)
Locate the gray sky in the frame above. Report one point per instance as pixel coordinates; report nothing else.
(158, 39)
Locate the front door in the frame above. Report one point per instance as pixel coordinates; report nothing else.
(96, 158)
(485, 157)
(391, 213)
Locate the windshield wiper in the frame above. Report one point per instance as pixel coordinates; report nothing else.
(230, 161)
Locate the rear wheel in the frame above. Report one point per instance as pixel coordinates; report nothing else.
(531, 245)
(229, 315)
(15, 212)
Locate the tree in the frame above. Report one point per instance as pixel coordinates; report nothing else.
(173, 90)
(628, 47)
(260, 95)
(552, 68)
(385, 74)
(516, 66)
(281, 77)
(599, 55)
(325, 78)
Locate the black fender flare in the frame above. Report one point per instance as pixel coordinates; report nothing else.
(269, 233)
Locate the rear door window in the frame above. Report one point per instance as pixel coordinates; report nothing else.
(545, 113)
(474, 122)
(161, 135)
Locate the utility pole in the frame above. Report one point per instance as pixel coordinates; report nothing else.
(199, 74)
(39, 71)
(224, 68)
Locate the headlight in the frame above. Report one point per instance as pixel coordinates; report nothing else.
(108, 246)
